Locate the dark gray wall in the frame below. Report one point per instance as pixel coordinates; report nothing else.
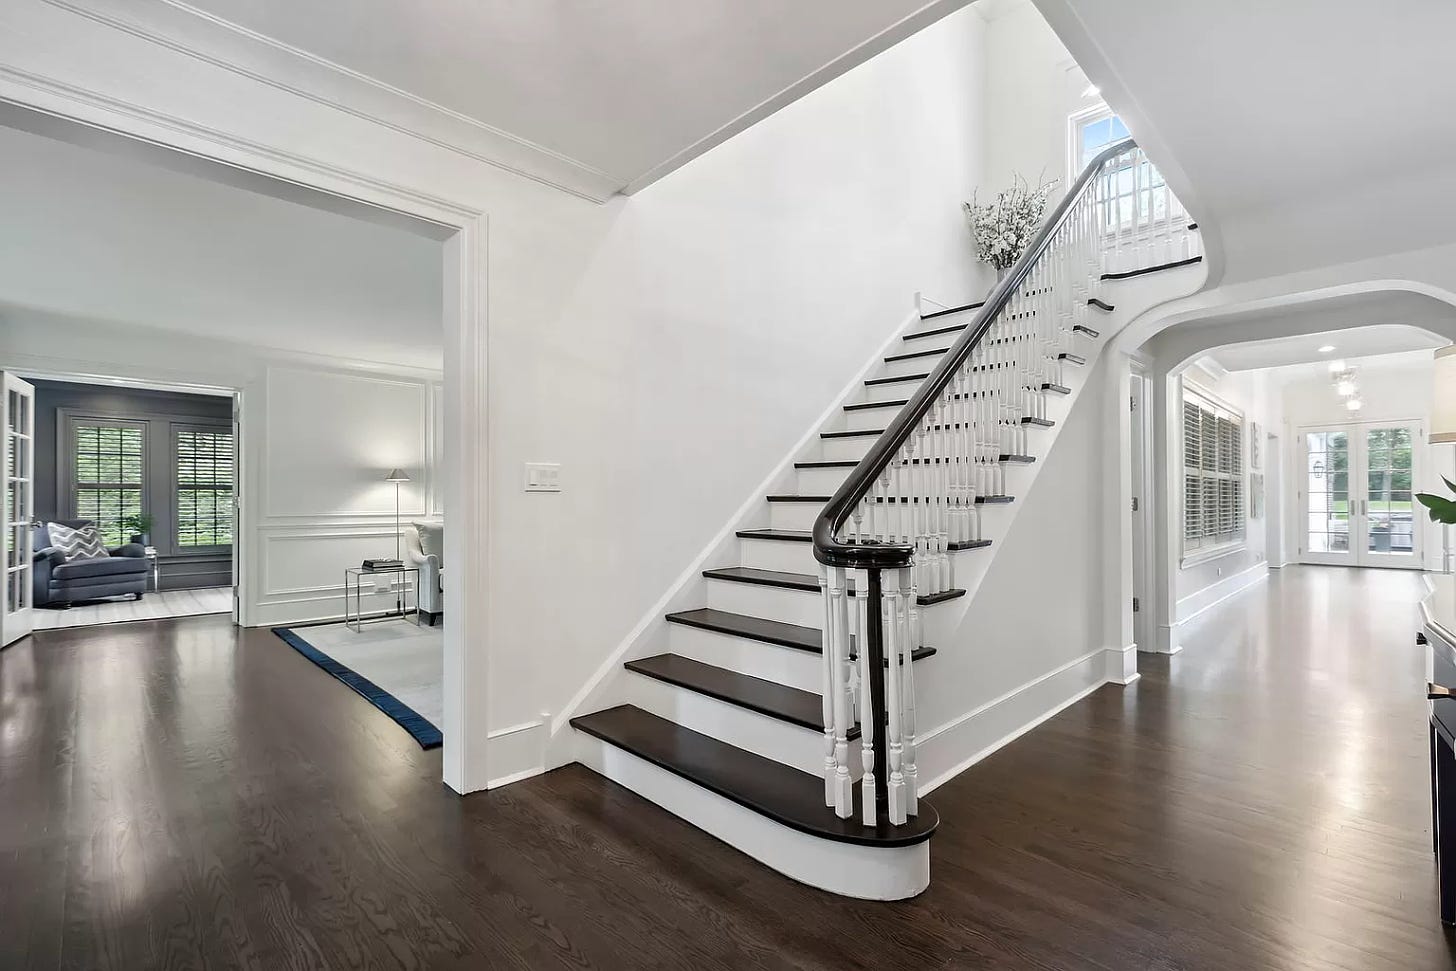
(212, 569)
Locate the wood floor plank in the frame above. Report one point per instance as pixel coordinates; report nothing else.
(181, 794)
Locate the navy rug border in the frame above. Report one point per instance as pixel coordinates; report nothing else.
(403, 715)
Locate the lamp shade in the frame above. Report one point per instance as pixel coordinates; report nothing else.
(397, 475)
(1443, 402)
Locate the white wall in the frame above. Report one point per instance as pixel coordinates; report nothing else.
(1031, 90)
(1200, 582)
(319, 435)
(721, 312)
(666, 349)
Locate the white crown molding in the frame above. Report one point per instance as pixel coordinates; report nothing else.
(194, 33)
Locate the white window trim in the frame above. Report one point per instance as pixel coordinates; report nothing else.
(1189, 558)
(1075, 123)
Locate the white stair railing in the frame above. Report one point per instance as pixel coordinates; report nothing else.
(888, 535)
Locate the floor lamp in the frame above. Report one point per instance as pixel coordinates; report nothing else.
(397, 476)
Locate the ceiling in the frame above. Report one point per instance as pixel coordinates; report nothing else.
(1348, 344)
(92, 235)
(1303, 132)
(631, 88)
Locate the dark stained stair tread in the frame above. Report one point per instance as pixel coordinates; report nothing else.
(953, 310)
(1071, 358)
(995, 499)
(782, 535)
(772, 789)
(1152, 269)
(1088, 331)
(803, 708)
(1056, 388)
(1040, 422)
(1100, 305)
(911, 355)
(819, 499)
(810, 583)
(759, 629)
(827, 464)
(948, 329)
(870, 405)
(902, 379)
(853, 434)
(1023, 459)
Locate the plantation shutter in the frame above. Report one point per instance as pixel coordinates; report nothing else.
(1213, 471)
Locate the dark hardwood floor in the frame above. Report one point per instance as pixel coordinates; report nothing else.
(177, 794)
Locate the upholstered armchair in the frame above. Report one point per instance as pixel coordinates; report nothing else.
(58, 583)
(424, 549)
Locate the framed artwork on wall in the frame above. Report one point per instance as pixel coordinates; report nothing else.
(1256, 495)
(1256, 446)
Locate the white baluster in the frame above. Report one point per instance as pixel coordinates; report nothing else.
(907, 717)
(839, 784)
(892, 603)
(868, 715)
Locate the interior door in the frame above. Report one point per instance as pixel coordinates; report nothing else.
(17, 416)
(1356, 499)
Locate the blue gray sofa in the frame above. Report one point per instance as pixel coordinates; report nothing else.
(59, 584)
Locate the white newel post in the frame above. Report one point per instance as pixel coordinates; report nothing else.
(838, 710)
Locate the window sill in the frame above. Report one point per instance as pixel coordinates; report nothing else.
(1212, 553)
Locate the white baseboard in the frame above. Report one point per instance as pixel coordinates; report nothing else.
(949, 750)
(1167, 642)
(1121, 664)
(517, 752)
(1216, 593)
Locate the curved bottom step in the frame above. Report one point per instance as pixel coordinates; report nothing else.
(770, 811)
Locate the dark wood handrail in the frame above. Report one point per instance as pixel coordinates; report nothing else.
(891, 556)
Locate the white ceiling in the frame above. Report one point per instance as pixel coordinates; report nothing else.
(1348, 344)
(101, 237)
(630, 87)
(1304, 132)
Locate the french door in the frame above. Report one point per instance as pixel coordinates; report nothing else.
(17, 419)
(1356, 501)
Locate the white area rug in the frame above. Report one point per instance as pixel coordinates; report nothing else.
(156, 605)
(405, 660)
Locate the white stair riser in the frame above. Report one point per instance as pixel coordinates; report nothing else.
(795, 745)
(869, 419)
(820, 482)
(845, 449)
(898, 391)
(771, 662)
(872, 873)
(794, 515)
(772, 554)
(785, 605)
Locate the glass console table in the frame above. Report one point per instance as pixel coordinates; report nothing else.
(354, 618)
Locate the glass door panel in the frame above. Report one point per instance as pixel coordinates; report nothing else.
(1390, 532)
(1327, 497)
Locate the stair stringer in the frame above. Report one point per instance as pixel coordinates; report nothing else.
(1000, 670)
(611, 684)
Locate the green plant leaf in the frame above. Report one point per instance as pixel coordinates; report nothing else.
(1441, 509)
(1449, 484)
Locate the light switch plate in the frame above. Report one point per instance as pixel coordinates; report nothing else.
(543, 477)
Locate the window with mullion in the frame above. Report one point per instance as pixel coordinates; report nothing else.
(108, 477)
(1213, 469)
(204, 466)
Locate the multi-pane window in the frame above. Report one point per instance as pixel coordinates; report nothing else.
(1213, 475)
(108, 459)
(1135, 196)
(204, 487)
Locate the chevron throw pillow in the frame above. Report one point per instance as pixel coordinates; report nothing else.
(77, 544)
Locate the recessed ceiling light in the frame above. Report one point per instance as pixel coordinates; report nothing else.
(1327, 348)
(1336, 367)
